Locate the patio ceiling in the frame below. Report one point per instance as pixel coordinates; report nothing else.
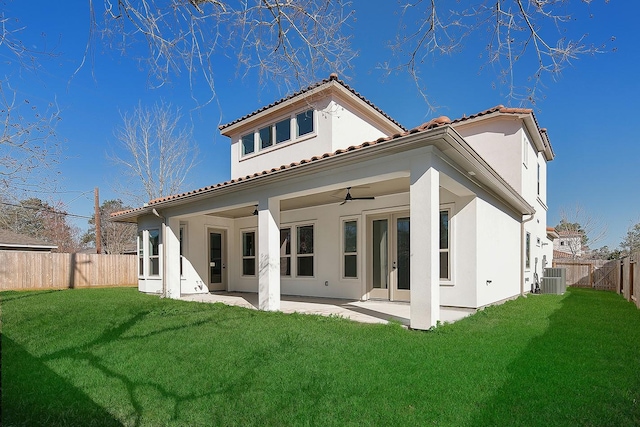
(374, 189)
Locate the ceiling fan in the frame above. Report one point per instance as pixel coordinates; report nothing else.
(349, 197)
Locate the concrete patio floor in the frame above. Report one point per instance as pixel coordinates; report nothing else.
(371, 311)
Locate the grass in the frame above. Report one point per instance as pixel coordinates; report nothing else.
(113, 357)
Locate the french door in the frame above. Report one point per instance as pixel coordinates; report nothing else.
(389, 257)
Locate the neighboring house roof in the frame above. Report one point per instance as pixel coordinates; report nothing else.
(304, 92)
(560, 254)
(16, 241)
(443, 123)
(539, 135)
(552, 234)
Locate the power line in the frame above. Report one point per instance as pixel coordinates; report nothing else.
(42, 208)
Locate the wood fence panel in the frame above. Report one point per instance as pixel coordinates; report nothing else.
(596, 274)
(42, 270)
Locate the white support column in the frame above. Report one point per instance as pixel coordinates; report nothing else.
(171, 261)
(424, 198)
(269, 254)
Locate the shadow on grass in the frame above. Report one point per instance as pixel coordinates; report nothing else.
(37, 396)
(584, 370)
(8, 296)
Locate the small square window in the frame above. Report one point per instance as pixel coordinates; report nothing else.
(266, 137)
(283, 131)
(248, 144)
(304, 123)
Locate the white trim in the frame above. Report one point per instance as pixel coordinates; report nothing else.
(294, 138)
(242, 231)
(449, 207)
(357, 253)
(313, 255)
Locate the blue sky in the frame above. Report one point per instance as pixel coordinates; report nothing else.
(590, 111)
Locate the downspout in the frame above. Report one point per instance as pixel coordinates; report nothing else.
(164, 252)
(522, 249)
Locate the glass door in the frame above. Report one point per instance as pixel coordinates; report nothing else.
(217, 267)
(380, 259)
(389, 257)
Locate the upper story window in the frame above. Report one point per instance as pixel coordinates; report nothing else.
(278, 133)
(304, 122)
(248, 144)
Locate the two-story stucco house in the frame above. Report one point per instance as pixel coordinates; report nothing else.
(331, 197)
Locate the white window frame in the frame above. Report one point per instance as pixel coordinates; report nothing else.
(255, 250)
(242, 153)
(289, 256)
(293, 133)
(344, 253)
(449, 250)
(527, 251)
(525, 149)
(141, 252)
(182, 240)
(148, 254)
(311, 255)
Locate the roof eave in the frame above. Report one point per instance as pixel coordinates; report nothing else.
(461, 150)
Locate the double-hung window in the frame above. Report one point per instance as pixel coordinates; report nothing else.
(304, 252)
(249, 253)
(141, 253)
(350, 249)
(154, 252)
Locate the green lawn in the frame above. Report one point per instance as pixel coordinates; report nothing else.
(118, 357)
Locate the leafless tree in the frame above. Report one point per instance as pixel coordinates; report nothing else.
(157, 153)
(523, 40)
(116, 237)
(580, 229)
(29, 145)
(285, 41)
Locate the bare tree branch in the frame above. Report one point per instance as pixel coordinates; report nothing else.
(282, 40)
(158, 153)
(29, 146)
(521, 33)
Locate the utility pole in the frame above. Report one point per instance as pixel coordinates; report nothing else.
(96, 199)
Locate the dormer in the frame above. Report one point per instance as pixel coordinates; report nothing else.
(320, 119)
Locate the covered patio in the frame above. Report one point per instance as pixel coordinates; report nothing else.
(370, 311)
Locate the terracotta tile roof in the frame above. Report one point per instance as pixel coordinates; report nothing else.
(560, 254)
(431, 124)
(501, 109)
(332, 77)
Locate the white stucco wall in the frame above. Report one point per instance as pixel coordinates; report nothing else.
(338, 124)
(460, 290)
(499, 142)
(498, 272)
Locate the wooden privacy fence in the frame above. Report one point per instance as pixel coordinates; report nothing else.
(621, 276)
(596, 274)
(43, 270)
